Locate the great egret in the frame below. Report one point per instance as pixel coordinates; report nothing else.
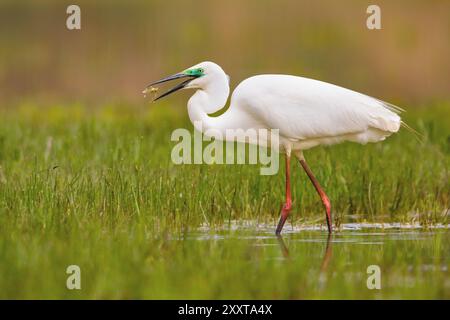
(306, 112)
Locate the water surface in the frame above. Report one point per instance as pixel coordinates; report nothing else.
(308, 263)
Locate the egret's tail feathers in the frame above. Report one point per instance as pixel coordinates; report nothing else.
(397, 109)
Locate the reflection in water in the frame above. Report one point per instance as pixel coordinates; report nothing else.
(328, 253)
(315, 265)
(283, 247)
(326, 257)
(323, 277)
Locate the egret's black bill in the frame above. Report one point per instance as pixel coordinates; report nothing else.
(170, 78)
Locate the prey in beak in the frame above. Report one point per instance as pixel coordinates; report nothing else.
(188, 75)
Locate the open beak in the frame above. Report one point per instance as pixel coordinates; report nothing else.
(170, 78)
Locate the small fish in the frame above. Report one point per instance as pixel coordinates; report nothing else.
(151, 90)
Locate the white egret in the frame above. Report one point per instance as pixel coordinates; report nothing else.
(306, 112)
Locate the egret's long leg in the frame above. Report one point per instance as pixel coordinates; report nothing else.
(285, 210)
(323, 196)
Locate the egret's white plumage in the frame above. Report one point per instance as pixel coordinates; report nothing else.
(306, 112)
(310, 112)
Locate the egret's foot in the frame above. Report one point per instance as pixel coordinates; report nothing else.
(327, 205)
(285, 210)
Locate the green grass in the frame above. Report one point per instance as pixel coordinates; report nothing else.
(97, 188)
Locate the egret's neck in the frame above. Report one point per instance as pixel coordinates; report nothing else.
(208, 100)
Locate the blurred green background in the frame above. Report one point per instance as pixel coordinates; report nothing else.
(125, 44)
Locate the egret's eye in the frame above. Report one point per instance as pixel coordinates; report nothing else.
(200, 70)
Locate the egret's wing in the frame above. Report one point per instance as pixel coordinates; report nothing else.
(304, 109)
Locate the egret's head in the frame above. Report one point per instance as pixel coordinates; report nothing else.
(199, 76)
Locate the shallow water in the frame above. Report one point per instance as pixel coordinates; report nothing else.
(243, 260)
(307, 263)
